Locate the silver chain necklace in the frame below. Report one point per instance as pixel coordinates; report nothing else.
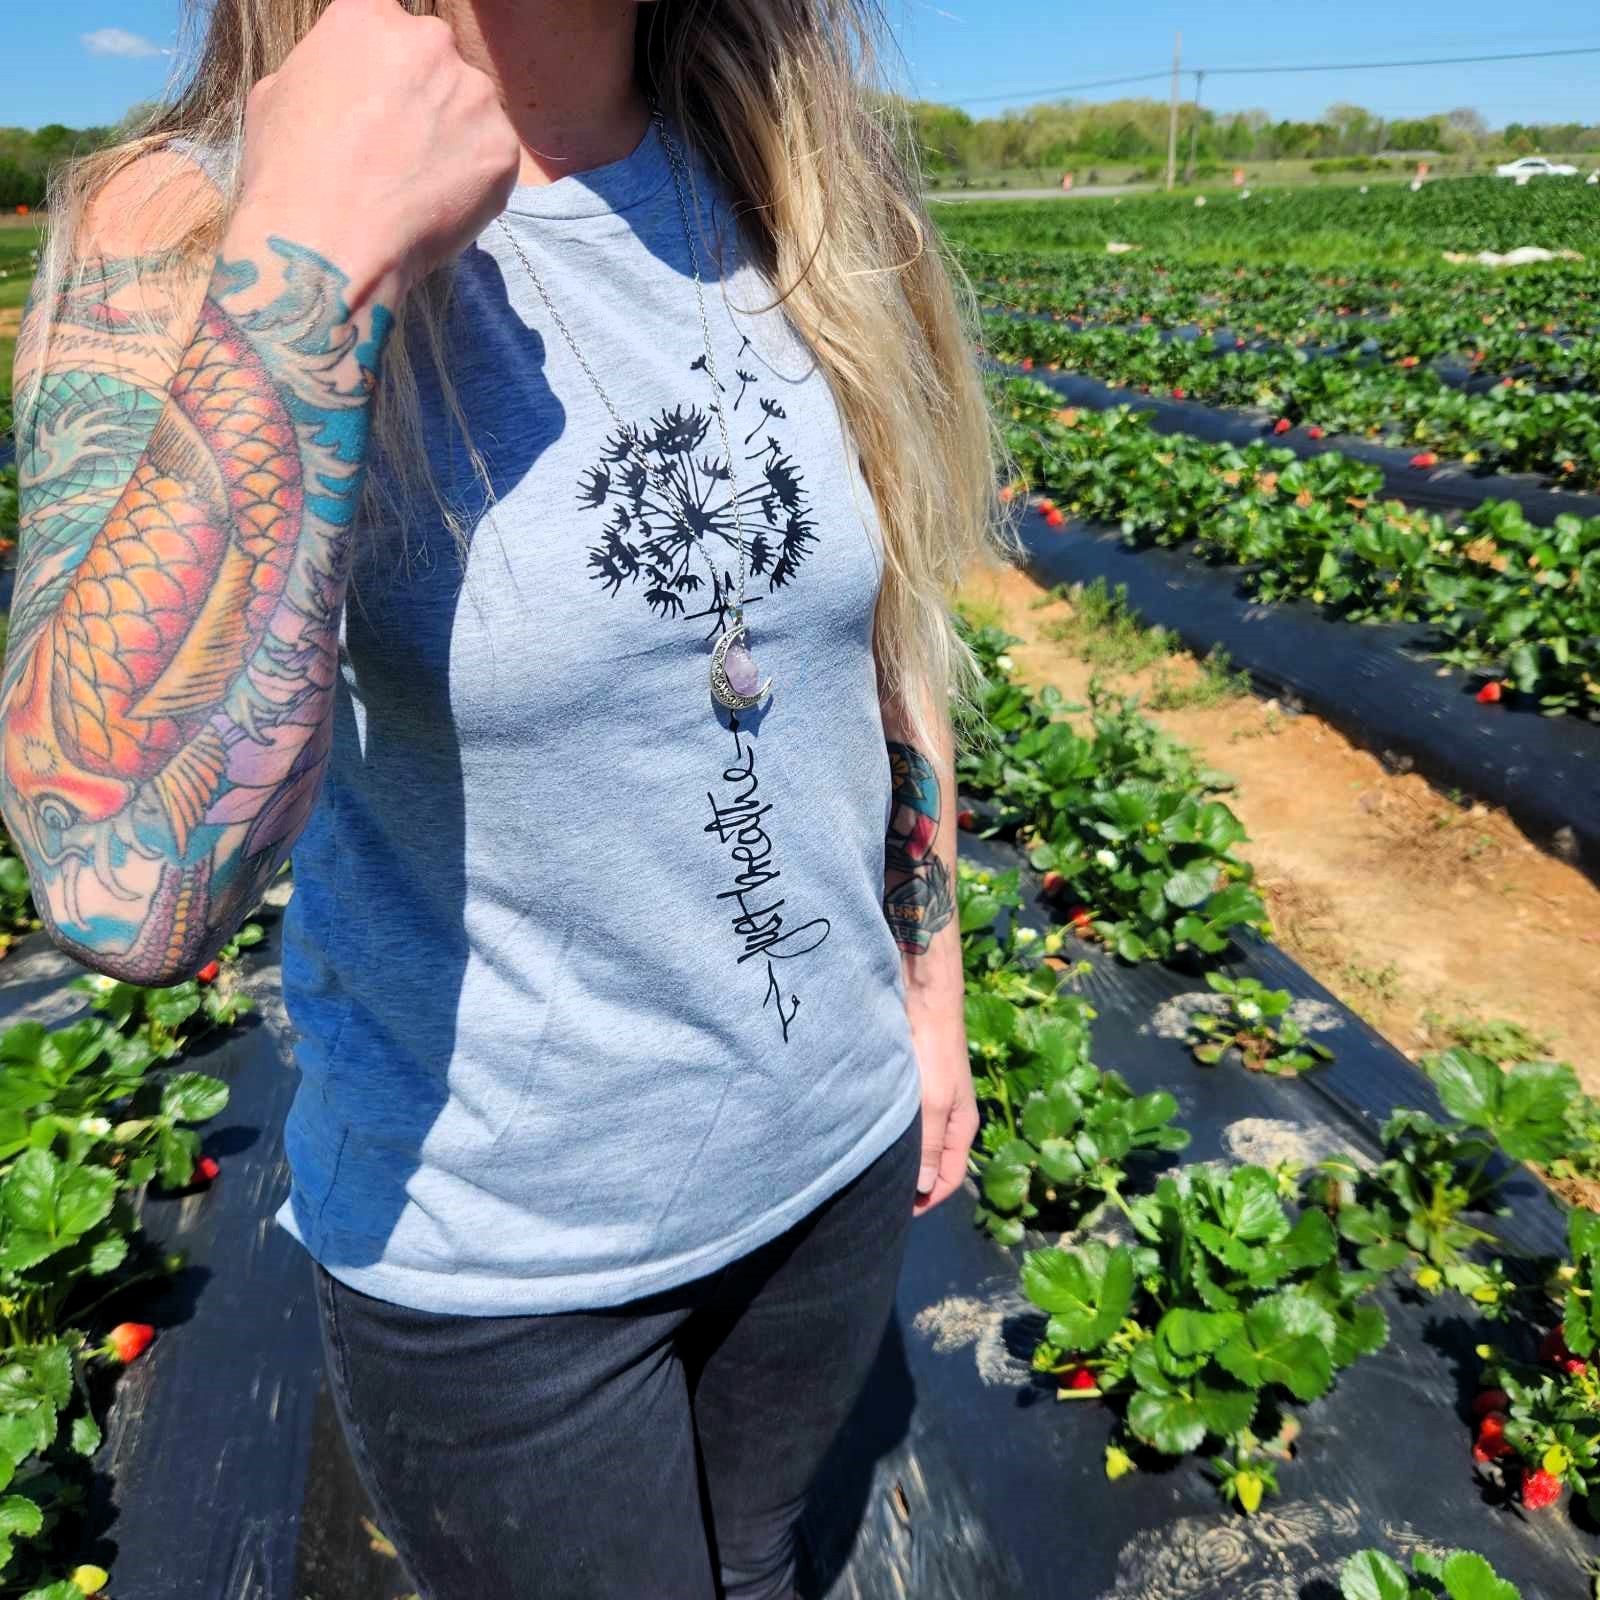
(735, 681)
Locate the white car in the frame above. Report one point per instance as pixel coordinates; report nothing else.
(1535, 167)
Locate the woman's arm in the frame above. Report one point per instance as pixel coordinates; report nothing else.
(192, 445)
(919, 901)
(189, 458)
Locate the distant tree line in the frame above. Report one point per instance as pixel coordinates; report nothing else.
(28, 154)
(1072, 133)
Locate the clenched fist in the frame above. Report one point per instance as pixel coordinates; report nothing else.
(377, 146)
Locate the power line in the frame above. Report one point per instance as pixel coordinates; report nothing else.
(1436, 61)
(1060, 88)
(1337, 66)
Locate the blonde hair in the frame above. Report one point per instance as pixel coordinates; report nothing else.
(777, 99)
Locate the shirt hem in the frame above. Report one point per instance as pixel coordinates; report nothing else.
(497, 1294)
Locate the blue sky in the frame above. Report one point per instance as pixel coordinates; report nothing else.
(970, 51)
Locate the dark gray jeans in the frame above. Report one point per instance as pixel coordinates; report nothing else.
(661, 1450)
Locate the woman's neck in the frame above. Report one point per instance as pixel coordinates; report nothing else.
(565, 73)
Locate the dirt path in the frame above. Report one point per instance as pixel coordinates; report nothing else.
(1429, 920)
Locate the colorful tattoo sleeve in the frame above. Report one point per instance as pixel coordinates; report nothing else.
(917, 895)
(186, 516)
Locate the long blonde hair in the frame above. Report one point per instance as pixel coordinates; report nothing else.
(778, 98)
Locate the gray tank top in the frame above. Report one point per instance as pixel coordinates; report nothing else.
(592, 983)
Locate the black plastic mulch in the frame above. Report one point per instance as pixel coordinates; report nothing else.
(995, 1489)
(1374, 682)
(1448, 488)
(222, 1476)
(958, 1477)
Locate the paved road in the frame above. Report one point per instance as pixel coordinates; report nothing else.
(1087, 192)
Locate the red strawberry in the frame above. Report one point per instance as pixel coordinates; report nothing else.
(129, 1340)
(1282, 425)
(1080, 918)
(1490, 1400)
(206, 1168)
(1408, 361)
(1506, 383)
(1054, 883)
(1180, 394)
(1573, 1365)
(1026, 363)
(1314, 432)
(1425, 458)
(1082, 1378)
(967, 820)
(1492, 1428)
(1540, 1489)
(208, 972)
(1489, 693)
(1055, 517)
(1553, 1347)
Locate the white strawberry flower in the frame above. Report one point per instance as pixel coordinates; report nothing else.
(99, 1127)
(1005, 663)
(1107, 859)
(1249, 1010)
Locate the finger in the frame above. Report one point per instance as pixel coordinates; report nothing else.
(960, 1130)
(935, 1123)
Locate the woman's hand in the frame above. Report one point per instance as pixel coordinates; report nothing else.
(949, 1107)
(377, 146)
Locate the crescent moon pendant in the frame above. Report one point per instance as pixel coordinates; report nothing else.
(721, 688)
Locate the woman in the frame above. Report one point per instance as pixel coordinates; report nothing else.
(595, 353)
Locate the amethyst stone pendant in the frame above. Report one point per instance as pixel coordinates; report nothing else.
(735, 682)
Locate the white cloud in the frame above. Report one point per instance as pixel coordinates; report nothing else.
(119, 42)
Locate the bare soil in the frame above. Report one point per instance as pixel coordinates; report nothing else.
(1424, 917)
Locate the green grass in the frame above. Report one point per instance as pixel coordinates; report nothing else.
(17, 244)
(1105, 631)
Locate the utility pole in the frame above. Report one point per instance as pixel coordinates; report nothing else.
(1194, 126)
(1172, 122)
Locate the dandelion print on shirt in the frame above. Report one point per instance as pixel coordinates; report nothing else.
(666, 492)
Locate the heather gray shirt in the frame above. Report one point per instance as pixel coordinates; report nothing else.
(592, 980)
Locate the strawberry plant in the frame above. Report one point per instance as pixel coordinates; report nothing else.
(1543, 1418)
(1256, 1027)
(1057, 1131)
(1414, 1209)
(1119, 815)
(169, 1019)
(1456, 1575)
(1509, 600)
(1223, 1311)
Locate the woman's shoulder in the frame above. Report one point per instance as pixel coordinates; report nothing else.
(218, 159)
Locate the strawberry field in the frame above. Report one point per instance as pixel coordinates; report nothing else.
(1240, 1300)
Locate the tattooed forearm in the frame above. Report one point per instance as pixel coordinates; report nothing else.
(917, 899)
(184, 549)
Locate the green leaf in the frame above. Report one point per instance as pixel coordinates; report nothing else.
(1228, 1408)
(1190, 886)
(19, 1517)
(1468, 1085)
(1008, 1176)
(1467, 1576)
(52, 1368)
(1287, 1339)
(1173, 1424)
(192, 1097)
(85, 1435)
(1363, 1332)
(1371, 1575)
(1087, 1291)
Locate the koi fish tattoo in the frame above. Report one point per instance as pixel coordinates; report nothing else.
(917, 895)
(184, 547)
